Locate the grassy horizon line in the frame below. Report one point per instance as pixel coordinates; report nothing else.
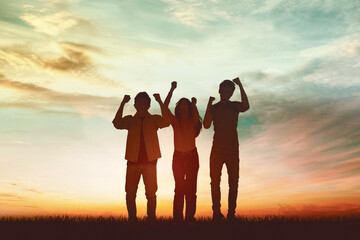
(90, 227)
(166, 218)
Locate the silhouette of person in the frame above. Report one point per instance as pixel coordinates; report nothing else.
(186, 125)
(142, 150)
(225, 148)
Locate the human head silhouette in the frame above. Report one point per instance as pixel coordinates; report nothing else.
(142, 103)
(183, 108)
(226, 90)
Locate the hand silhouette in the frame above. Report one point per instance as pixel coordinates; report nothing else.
(173, 85)
(193, 100)
(211, 99)
(237, 81)
(126, 98)
(157, 97)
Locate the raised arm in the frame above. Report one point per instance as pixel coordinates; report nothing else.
(117, 122)
(195, 112)
(165, 119)
(167, 100)
(168, 97)
(244, 105)
(208, 115)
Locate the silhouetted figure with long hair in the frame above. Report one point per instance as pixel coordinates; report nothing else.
(225, 148)
(142, 150)
(186, 125)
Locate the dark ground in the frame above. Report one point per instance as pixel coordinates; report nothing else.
(270, 227)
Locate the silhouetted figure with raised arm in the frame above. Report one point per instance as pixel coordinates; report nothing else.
(186, 125)
(225, 148)
(142, 150)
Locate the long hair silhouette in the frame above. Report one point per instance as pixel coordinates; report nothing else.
(198, 125)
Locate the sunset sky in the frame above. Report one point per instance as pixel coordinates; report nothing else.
(65, 66)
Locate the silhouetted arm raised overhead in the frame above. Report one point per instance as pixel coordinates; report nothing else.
(195, 112)
(244, 105)
(168, 99)
(119, 121)
(208, 115)
(164, 120)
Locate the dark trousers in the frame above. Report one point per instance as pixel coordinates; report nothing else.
(185, 169)
(218, 157)
(133, 174)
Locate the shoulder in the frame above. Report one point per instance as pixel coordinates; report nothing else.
(234, 103)
(216, 106)
(128, 117)
(236, 106)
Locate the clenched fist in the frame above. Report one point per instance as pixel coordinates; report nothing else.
(193, 100)
(126, 99)
(173, 85)
(157, 97)
(237, 81)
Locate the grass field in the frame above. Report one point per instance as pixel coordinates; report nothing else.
(269, 227)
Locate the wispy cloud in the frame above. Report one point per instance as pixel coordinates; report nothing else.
(305, 154)
(22, 187)
(325, 209)
(72, 61)
(33, 191)
(307, 129)
(52, 23)
(71, 58)
(196, 13)
(75, 57)
(10, 197)
(344, 47)
(53, 18)
(47, 99)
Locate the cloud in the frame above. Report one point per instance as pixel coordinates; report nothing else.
(309, 130)
(267, 6)
(313, 18)
(88, 49)
(47, 100)
(304, 131)
(334, 64)
(10, 197)
(42, 92)
(344, 47)
(53, 18)
(33, 191)
(73, 61)
(75, 58)
(18, 57)
(320, 210)
(24, 87)
(195, 13)
(52, 24)
(338, 73)
(287, 210)
(310, 23)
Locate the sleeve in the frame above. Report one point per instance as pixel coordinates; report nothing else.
(162, 121)
(122, 123)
